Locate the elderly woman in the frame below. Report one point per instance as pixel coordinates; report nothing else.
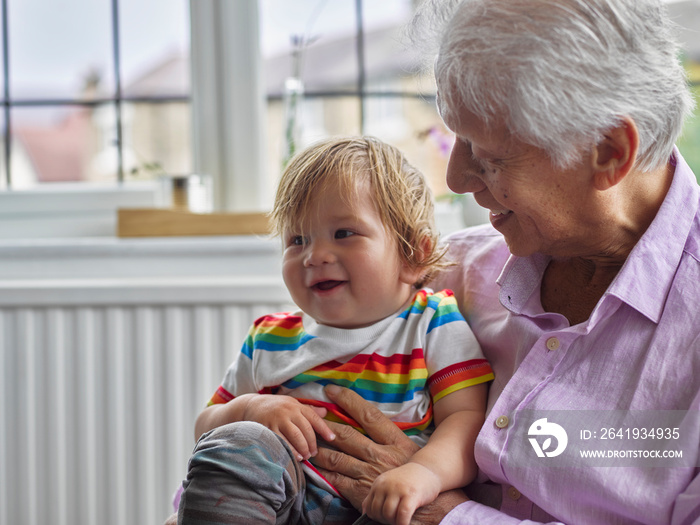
(584, 291)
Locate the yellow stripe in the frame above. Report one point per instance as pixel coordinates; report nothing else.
(461, 385)
(277, 330)
(371, 375)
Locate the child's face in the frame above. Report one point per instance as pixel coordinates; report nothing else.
(346, 270)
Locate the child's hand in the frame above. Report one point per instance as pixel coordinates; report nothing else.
(287, 417)
(396, 494)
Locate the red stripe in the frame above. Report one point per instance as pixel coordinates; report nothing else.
(281, 320)
(343, 416)
(457, 373)
(220, 396)
(395, 364)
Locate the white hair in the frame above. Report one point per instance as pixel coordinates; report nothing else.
(560, 73)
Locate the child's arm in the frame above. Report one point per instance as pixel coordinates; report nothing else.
(287, 417)
(446, 462)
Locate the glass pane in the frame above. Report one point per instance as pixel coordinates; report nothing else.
(413, 125)
(2, 64)
(63, 144)
(156, 139)
(319, 117)
(324, 56)
(60, 49)
(389, 56)
(154, 46)
(687, 15)
(689, 142)
(3, 165)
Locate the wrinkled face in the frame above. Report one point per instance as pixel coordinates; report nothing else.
(343, 267)
(537, 207)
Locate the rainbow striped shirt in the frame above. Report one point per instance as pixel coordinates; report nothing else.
(402, 364)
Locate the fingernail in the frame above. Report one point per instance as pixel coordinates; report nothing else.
(331, 437)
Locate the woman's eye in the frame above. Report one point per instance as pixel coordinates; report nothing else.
(343, 234)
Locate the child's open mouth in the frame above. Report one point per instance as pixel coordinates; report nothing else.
(324, 286)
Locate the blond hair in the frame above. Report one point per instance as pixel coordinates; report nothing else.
(399, 191)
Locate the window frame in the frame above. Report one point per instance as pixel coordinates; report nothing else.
(225, 43)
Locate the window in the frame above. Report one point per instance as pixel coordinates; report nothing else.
(356, 74)
(94, 91)
(114, 91)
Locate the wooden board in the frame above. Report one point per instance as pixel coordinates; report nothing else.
(153, 222)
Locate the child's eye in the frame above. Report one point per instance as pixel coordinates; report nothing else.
(343, 234)
(296, 240)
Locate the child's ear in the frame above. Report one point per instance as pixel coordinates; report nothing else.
(414, 273)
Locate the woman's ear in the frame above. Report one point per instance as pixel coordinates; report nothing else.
(614, 156)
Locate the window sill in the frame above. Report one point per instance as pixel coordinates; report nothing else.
(100, 258)
(69, 210)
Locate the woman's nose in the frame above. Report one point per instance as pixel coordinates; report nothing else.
(462, 171)
(318, 253)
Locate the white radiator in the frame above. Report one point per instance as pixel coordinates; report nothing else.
(100, 383)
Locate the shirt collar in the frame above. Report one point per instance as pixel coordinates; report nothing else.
(519, 279)
(647, 275)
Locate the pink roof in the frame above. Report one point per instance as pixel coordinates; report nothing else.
(59, 153)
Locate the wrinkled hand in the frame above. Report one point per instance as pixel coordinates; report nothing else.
(287, 417)
(396, 494)
(359, 460)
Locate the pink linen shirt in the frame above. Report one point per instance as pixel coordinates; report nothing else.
(639, 350)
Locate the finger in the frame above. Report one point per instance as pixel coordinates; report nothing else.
(321, 411)
(375, 506)
(390, 508)
(367, 502)
(350, 440)
(318, 424)
(405, 511)
(296, 439)
(379, 427)
(385, 508)
(339, 463)
(305, 427)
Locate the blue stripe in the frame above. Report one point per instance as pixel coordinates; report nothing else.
(369, 395)
(445, 319)
(246, 350)
(277, 347)
(434, 301)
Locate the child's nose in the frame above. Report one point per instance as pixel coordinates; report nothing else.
(318, 253)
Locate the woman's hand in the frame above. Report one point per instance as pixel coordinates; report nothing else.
(359, 460)
(287, 417)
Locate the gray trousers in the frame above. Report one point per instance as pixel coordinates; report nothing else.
(243, 473)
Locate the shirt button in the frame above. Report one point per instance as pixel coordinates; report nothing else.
(552, 343)
(514, 493)
(502, 422)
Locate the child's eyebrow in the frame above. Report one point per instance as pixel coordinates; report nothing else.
(345, 217)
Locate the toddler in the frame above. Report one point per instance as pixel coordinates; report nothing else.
(356, 222)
